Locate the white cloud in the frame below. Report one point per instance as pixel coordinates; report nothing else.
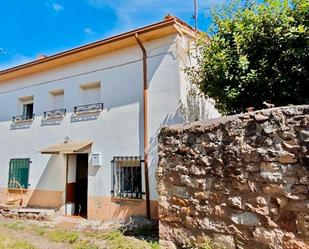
(57, 7)
(15, 59)
(89, 32)
(54, 6)
(133, 13)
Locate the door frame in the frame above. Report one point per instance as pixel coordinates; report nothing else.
(67, 179)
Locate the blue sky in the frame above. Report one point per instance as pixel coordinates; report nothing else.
(33, 27)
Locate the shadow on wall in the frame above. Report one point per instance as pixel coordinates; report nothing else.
(50, 178)
(170, 119)
(130, 90)
(198, 107)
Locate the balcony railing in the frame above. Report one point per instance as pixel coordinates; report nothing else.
(88, 109)
(23, 118)
(55, 114)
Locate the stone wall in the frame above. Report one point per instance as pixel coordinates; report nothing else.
(238, 181)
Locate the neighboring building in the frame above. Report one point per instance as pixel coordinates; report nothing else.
(76, 126)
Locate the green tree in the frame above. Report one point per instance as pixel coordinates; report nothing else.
(255, 53)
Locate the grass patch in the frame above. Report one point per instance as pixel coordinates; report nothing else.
(63, 236)
(16, 225)
(116, 240)
(84, 244)
(39, 230)
(11, 243)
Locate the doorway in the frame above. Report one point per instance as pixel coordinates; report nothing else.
(81, 187)
(77, 185)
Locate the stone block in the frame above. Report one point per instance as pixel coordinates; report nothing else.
(304, 134)
(268, 237)
(223, 241)
(213, 225)
(261, 201)
(235, 202)
(179, 202)
(181, 192)
(272, 177)
(268, 166)
(287, 158)
(245, 218)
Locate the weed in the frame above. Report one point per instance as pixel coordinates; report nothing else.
(63, 236)
(20, 245)
(84, 244)
(39, 230)
(205, 245)
(154, 245)
(116, 240)
(11, 243)
(15, 226)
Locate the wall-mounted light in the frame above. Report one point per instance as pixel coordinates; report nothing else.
(66, 139)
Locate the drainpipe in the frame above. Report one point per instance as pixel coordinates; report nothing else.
(145, 105)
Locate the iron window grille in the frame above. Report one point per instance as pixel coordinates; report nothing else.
(127, 177)
(23, 118)
(19, 173)
(54, 114)
(85, 109)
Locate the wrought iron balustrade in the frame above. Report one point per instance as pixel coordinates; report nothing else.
(92, 108)
(54, 114)
(23, 118)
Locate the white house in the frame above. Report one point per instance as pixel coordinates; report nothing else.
(79, 128)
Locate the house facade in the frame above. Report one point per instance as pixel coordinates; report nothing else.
(79, 128)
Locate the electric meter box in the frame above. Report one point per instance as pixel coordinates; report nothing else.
(96, 159)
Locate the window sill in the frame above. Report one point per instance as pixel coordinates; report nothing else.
(123, 199)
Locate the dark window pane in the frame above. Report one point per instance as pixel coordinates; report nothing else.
(28, 111)
(127, 177)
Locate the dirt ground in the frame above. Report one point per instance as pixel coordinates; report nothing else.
(24, 234)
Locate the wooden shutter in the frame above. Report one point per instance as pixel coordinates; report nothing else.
(19, 173)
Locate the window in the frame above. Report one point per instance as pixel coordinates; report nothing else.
(91, 93)
(19, 173)
(27, 107)
(28, 111)
(56, 99)
(127, 180)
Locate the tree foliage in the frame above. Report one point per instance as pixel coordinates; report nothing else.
(256, 53)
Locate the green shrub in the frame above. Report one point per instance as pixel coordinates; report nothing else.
(257, 51)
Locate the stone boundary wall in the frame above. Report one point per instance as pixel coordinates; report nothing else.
(239, 181)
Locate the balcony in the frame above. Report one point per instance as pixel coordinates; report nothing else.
(23, 118)
(54, 114)
(88, 109)
(86, 112)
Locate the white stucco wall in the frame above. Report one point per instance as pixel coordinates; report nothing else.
(118, 131)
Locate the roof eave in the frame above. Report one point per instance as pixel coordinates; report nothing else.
(68, 56)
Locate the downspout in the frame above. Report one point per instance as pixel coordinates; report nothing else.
(145, 123)
(66, 184)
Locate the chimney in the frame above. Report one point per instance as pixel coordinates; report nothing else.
(41, 56)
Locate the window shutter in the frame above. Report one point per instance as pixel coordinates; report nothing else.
(19, 173)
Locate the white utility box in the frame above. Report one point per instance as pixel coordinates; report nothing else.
(96, 159)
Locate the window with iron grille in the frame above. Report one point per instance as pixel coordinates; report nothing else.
(127, 180)
(19, 173)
